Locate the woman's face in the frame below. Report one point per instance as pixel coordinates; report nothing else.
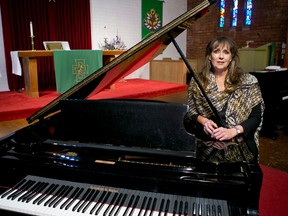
(220, 58)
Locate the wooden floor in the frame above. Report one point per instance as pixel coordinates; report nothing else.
(273, 153)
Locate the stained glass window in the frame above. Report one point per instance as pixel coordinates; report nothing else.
(234, 13)
(222, 13)
(248, 12)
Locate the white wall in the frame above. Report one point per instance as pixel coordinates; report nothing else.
(124, 18)
(3, 74)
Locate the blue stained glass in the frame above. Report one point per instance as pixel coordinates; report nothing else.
(248, 18)
(235, 13)
(222, 13)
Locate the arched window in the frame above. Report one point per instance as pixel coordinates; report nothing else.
(248, 12)
(234, 13)
(222, 13)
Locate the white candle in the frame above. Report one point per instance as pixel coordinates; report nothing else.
(31, 28)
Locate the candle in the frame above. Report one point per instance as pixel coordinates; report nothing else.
(31, 28)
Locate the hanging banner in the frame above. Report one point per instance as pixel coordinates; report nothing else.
(152, 16)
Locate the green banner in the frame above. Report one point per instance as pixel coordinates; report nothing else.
(152, 16)
(72, 66)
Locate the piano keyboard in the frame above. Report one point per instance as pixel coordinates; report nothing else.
(45, 196)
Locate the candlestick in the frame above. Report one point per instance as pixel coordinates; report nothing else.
(32, 42)
(31, 29)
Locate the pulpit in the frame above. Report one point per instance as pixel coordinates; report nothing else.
(253, 59)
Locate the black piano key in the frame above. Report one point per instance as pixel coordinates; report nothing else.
(143, 204)
(44, 193)
(117, 204)
(134, 205)
(154, 203)
(208, 210)
(21, 190)
(148, 206)
(161, 208)
(167, 207)
(214, 210)
(121, 204)
(131, 203)
(180, 209)
(219, 210)
(22, 198)
(98, 201)
(71, 197)
(186, 209)
(129, 206)
(54, 195)
(37, 192)
(18, 185)
(68, 203)
(57, 195)
(103, 202)
(111, 204)
(42, 198)
(175, 206)
(86, 200)
(93, 198)
(81, 200)
(66, 192)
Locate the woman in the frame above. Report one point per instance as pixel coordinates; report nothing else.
(234, 93)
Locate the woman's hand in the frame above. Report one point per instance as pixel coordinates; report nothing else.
(219, 133)
(209, 127)
(222, 133)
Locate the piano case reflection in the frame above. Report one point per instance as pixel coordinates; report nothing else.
(123, 157)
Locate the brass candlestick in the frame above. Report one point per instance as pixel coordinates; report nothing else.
(32, 42)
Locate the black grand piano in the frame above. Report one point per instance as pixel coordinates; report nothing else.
(123, 157)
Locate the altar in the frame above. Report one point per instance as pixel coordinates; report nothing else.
(29, 64)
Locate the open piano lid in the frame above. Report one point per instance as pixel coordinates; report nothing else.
(129, 61)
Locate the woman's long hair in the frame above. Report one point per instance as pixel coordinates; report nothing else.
(233, 78)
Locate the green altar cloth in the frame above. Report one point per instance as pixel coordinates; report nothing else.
(72, 66)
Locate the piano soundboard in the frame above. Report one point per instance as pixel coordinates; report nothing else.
(35, 195)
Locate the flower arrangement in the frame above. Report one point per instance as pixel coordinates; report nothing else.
(115, 44)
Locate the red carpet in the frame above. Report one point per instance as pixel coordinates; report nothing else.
(274, 193)
(16, 105)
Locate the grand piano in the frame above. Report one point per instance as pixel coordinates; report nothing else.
(80, 156)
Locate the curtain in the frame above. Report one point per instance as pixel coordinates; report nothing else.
(53, 20)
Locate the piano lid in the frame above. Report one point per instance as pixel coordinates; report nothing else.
(129, 61)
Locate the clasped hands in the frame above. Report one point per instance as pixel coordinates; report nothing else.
(218, 133)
